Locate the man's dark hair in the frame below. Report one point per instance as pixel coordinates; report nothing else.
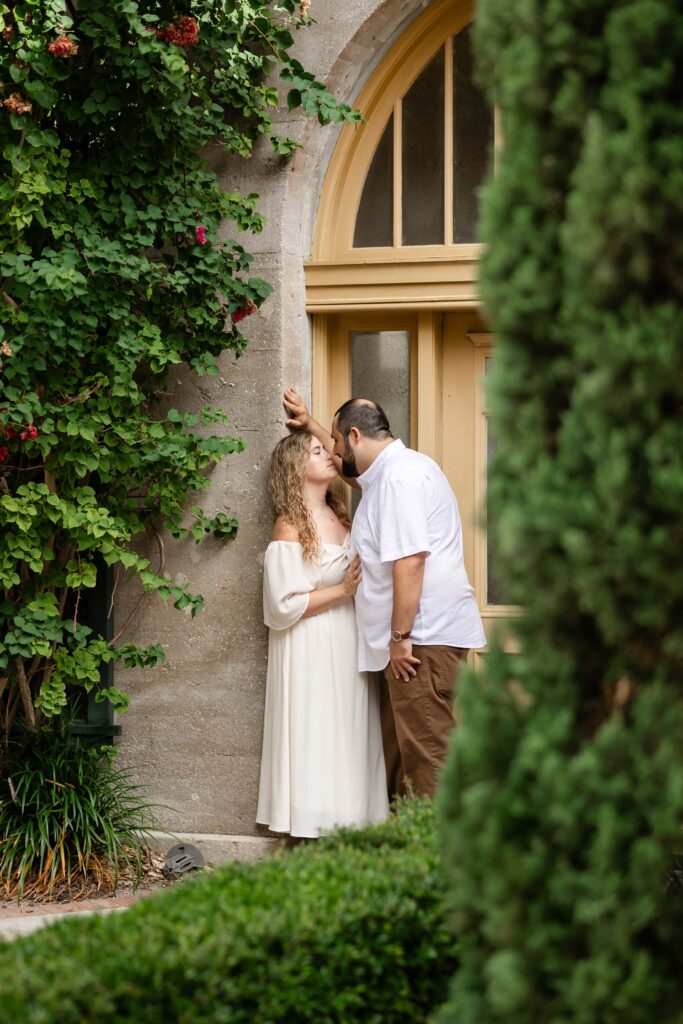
(366, 416)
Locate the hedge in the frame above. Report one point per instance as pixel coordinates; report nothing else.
(348, 929)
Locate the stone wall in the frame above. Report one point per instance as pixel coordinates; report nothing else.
(193, 731)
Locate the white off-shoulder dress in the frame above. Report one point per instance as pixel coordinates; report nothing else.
(322, 763)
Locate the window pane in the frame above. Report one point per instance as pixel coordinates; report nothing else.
(423, 157)
(380, 369)
(472, 139)
(374, 221)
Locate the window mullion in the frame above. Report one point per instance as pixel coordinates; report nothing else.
(449, 190)
(398, 174)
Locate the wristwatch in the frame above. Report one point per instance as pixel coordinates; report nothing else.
(396, 636)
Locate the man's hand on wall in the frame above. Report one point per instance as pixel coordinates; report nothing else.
(296, 409)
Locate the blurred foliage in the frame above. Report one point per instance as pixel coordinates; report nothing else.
(563, 800)
(349, 928)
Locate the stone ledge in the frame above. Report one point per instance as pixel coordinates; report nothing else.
(217, 848)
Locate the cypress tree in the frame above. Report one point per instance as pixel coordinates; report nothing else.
(562, 801)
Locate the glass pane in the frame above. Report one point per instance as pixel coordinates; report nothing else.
(374, 221)
(380, 369)
(472, 139)
(423, 157)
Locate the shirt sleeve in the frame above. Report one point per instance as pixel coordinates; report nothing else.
(287, 582)
(404, 519)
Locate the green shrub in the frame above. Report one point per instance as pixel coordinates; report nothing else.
(563, 800)
(410, 828)
(69, 819)
(347, 929)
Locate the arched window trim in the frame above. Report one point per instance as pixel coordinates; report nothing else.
(339, 277)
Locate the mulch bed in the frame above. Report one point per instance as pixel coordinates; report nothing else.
(88, 897)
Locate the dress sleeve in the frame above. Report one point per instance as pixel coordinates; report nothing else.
(287, 582)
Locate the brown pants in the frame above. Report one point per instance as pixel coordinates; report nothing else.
(417, 718)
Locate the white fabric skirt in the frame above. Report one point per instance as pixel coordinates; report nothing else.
(322, 764)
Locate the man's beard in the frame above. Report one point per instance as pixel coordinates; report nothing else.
(349, 467)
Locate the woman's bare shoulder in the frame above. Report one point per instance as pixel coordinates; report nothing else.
(283, 530)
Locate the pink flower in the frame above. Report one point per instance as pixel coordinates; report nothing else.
(29, 435)
(62, 46)
(16, 104)
(4, 453)
(200, 234)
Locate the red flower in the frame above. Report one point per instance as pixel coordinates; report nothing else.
(246, 310)
(11, 432)
(200, 234)
(183, 32)
(4, 453)
(62, 46)
(29, 435)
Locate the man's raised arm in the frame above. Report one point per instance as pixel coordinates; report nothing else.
(300, 419)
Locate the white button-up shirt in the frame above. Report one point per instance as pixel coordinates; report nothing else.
(408, 507)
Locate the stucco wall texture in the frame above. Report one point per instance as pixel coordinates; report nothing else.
(193, 731)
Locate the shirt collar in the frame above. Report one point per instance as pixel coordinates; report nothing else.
(373, 471)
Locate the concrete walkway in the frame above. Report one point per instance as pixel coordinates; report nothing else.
(23, 918)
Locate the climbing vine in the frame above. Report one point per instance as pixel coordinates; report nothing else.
(113, 270)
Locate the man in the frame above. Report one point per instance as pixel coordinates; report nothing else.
(415, 608)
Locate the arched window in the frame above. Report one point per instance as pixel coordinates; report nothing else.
(402, 188)
(432, 155)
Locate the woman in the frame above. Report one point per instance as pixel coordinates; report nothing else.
(322, 762)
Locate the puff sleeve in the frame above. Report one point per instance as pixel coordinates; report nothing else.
(287, 582)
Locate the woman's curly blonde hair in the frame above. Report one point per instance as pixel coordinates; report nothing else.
(286, 481)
